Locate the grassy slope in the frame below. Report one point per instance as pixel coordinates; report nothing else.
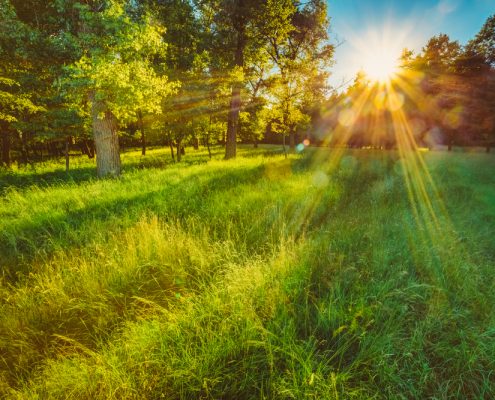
(317, 277)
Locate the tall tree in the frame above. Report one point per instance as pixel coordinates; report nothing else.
(253, 118)
(483, 43)
(100, 55)
(17, 102)
(297, 43)
(477, 66)
(183, 35)
(231, 23)
(440, 54)
(115, 74)
(441, 88)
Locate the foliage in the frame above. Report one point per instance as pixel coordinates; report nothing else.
(297, 45)
(15, 100)
(118, 69)
(484, 42)
(439, 55)
(12, 103)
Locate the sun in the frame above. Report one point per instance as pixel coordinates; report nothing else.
(376, 50)
(380, 64)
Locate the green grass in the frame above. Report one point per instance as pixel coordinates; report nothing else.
(324, 276)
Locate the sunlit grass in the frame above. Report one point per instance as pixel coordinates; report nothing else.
(311, 277)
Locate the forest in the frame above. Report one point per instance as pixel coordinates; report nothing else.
(97, 76)
(191, 208)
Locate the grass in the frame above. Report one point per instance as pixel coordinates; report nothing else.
(324, 276)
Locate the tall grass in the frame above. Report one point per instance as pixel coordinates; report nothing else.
(257, 278)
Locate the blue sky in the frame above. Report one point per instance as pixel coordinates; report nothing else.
(360, 24)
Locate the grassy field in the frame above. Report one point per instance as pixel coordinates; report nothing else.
(329, 275)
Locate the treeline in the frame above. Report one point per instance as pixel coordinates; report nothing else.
(97, 74)
(445, 95)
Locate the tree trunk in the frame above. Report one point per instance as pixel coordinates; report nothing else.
(67, 142)
(106, 139)
(90, 144)
(6, 147)
(208, 145)
(143, 136)
(255, 142)
(283, 145)
(235, 100)
(233, 123)
(488, 148)
(449, 148)
(24, 150)
(179, 151)
(292, 140)
(87, 147)
(171, 145)
(207, 138)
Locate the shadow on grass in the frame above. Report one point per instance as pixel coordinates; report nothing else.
(79, 175)
(195, 196)
(51, 178)
(37, 174)
(21, 241)
(30, 176)
(265, 151)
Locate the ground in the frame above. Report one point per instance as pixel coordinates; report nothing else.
(332, 274)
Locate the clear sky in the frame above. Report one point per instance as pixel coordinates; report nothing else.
(363, 25)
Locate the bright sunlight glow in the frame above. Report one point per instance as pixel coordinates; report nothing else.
(380, 64)
(377, 50)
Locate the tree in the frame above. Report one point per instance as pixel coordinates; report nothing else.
(95, 59)
(439, 56)
(116, 75)
(183, 36)
(16, 103)
(252, 117)
(441, 89)
(483, 43)
(477, 66)
(298, 46)
(230, 24)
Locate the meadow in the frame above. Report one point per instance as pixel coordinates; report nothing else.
(332, 274)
